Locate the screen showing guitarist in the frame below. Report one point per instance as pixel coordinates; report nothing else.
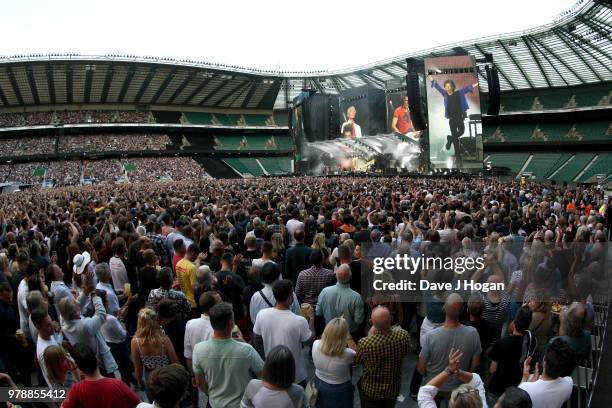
(401, 122)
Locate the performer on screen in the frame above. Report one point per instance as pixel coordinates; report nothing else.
(455, 110)
(401, 122)
(350, 128)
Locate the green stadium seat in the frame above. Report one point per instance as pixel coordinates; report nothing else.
(198, 118)
(259, 120)
(284, 142)
(586, 98)
(515, 103)
(245, 165)
(551, 101)
(514, 161)
(231, 142)
(259, 143)
(522, 132)
(602, 165)
(574, 166)
(553, 131)
(594, 131)
(543, 164)
(280, 118)
(276, 165)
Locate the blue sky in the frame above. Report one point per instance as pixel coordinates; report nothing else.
(290, 35)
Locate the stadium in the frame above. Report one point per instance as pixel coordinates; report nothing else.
(138, 188)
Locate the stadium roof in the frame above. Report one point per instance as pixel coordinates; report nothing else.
(573, 50)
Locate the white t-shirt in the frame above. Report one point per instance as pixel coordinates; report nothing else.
(22, 307)
(111, 297)
(118, 273)
(284, 327)
(332, 370)
(549, 394)
(41, 346)
(259, 263)
(292, 226)
(112, 330)
(196, 330)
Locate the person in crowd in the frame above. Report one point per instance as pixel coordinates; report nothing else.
(340, 300)
(381, 353)
(231, 285)
(265, 297)
(452, 334)
(470, 394)
(294, 225)
(278, 325)
(311, 281)
(95, 390)
(573, 331)
(486, 330)
(554, 387)
(514, 397)
(103, 274)
(277, 386)
(333, 355)
(496, 304)
(57, 287)
(173, 326)
(168, 385)
(150, 348)
(46, 337)
(121, 270)
(116, 336)
(506, 368)
(165, 291)
(78, 329)
(179, 252)
(213, 359)
(297, 258)
(60, 367)
(147, 275)
(186, 273)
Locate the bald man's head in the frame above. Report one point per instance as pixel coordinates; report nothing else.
(453, 306)
(381, 318)
(343, 274)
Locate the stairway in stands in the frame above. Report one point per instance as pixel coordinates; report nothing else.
(216, 168)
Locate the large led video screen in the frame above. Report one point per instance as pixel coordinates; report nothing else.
(453, 104)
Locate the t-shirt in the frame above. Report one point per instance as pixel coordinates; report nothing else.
(186, 275)
(284, 327)
(438, 343)
(292, 226)
(102, 393)
(257, 395)
(197, 330)
(404, 123)
(507, 353)
(332, 370)
(549, 394)
(118, 273)
(228, 366)
(41, 346)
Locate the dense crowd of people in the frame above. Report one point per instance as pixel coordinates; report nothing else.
(32, 146)
(76, 172)
(251, 293)
(72, 117)
(114, 142)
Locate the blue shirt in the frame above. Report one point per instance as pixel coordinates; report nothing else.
(341, 300)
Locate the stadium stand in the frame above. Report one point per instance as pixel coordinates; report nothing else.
(514, 161)
(602, 166)
(570, 169)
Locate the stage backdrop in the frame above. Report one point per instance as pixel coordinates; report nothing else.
(453, 104)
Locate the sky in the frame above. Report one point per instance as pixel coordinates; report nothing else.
(271, 34)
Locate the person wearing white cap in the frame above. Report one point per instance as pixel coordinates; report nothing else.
(84, 269)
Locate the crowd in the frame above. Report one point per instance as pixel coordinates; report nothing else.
(114, 142)
(76, 172)
(30, 146)
(223, 293)
(73, 117)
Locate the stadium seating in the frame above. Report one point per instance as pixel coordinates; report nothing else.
(276, 165)
(514, 161)
(602, 165)
(259, 120)
(280, 118)
(542, 164)
(570, 98)
(245, 166)
(589, 131)
(572, 167)
(198, 118)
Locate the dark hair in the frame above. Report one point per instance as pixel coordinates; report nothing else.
(476, 305)
(194, 249)
(38, 316)
(299, 235)
(227, 257)
(451, 83)
(207, 300)
(282, 289)
(167, 309)
(220, 315)
(178, 244)
(168, 384)
(560, 359)
(5, 287)
(164, 277)
(344, 252)
(270, 272)
(523, 317)
(85, 358)
(279, 367)
(118, 246)
(316, 257)
(267, 247)
(515, 397)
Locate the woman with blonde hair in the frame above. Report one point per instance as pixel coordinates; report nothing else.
(278, 248)
(150, 348)
(61, 369)
(333, 356)
(318, 243)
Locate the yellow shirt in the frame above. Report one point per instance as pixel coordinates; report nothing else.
(186, 275)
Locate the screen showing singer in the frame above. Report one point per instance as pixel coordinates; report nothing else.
(350, 128)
